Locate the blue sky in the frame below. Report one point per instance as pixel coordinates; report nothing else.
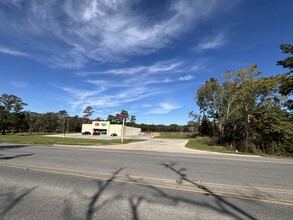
(147, 57)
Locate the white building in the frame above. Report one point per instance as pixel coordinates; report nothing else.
(104, 127)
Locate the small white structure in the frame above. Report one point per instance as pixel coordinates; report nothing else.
(106, 128)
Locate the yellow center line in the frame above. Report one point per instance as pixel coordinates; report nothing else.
(273, 190)
(260, 199)
(235, 194)
(263, 189)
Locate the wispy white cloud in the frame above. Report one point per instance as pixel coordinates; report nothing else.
(13, 52)
(97, 97)
(73, 58)
(158, 81)
(212, 43)
(159, 67)
(158, 72)
(104, 31)
(145, 81)
(165, 107)
(19, 84)
(13, 3)
(186, 78)
(108, 84)
(78, 97)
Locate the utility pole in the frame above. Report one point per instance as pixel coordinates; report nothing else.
(123, 130)
(124, 115)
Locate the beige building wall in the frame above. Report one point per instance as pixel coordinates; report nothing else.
(132, 131)
(101, 125)
(105, 125)
(115, 129)
(128, 130)
(87, 127)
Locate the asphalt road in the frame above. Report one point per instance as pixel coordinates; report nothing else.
(45, 182)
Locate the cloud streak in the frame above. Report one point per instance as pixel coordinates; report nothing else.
(164, 108)
(104, 31)
(19, 84)
(212, 43)
(97, 97)
(13, 52)
(186, 78)
(159, 67)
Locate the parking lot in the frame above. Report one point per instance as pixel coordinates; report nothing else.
(102, 136)
(151, 144)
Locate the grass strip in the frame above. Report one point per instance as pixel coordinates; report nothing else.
(41, 139)
(175, 135)
(197, 144)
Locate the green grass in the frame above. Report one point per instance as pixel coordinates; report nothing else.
(193, 143)
(172, 135)
(196, 143)
(41, 139)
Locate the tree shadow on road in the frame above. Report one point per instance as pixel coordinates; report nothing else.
(102, 186)
(93, 208)
(12, 146)
(134, 204)
(156, 195)
(224, 205)
(160, 196)
(68, 211)
(10, 199)
(3, 157)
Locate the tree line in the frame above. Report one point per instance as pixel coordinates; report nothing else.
(113, 119)
(248, 112)
(131, 121)
(14, 120)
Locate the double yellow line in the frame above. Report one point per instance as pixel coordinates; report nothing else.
(89, 175)
(220, 185)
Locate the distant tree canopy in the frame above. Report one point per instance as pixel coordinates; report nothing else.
(286, 87)
(87, 113)
(249, 112)
(114, 119)
(163, 128)
(10, 111)
(288, 62)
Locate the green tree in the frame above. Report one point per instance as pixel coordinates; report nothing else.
(274, 130)
(74, 124)
(246, 86)
(194, 123)
(87, 113)
(251, 112)
(230, 105)
(288, 62)
(209, 97)
(32, 120)
(15, 120)
(286, 87)
(63, 117)
(49, 122)
(10, 107)
(132, 120)
(117, 119)
(110, 118)
(206, 127)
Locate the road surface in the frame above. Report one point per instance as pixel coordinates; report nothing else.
(45, 182)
